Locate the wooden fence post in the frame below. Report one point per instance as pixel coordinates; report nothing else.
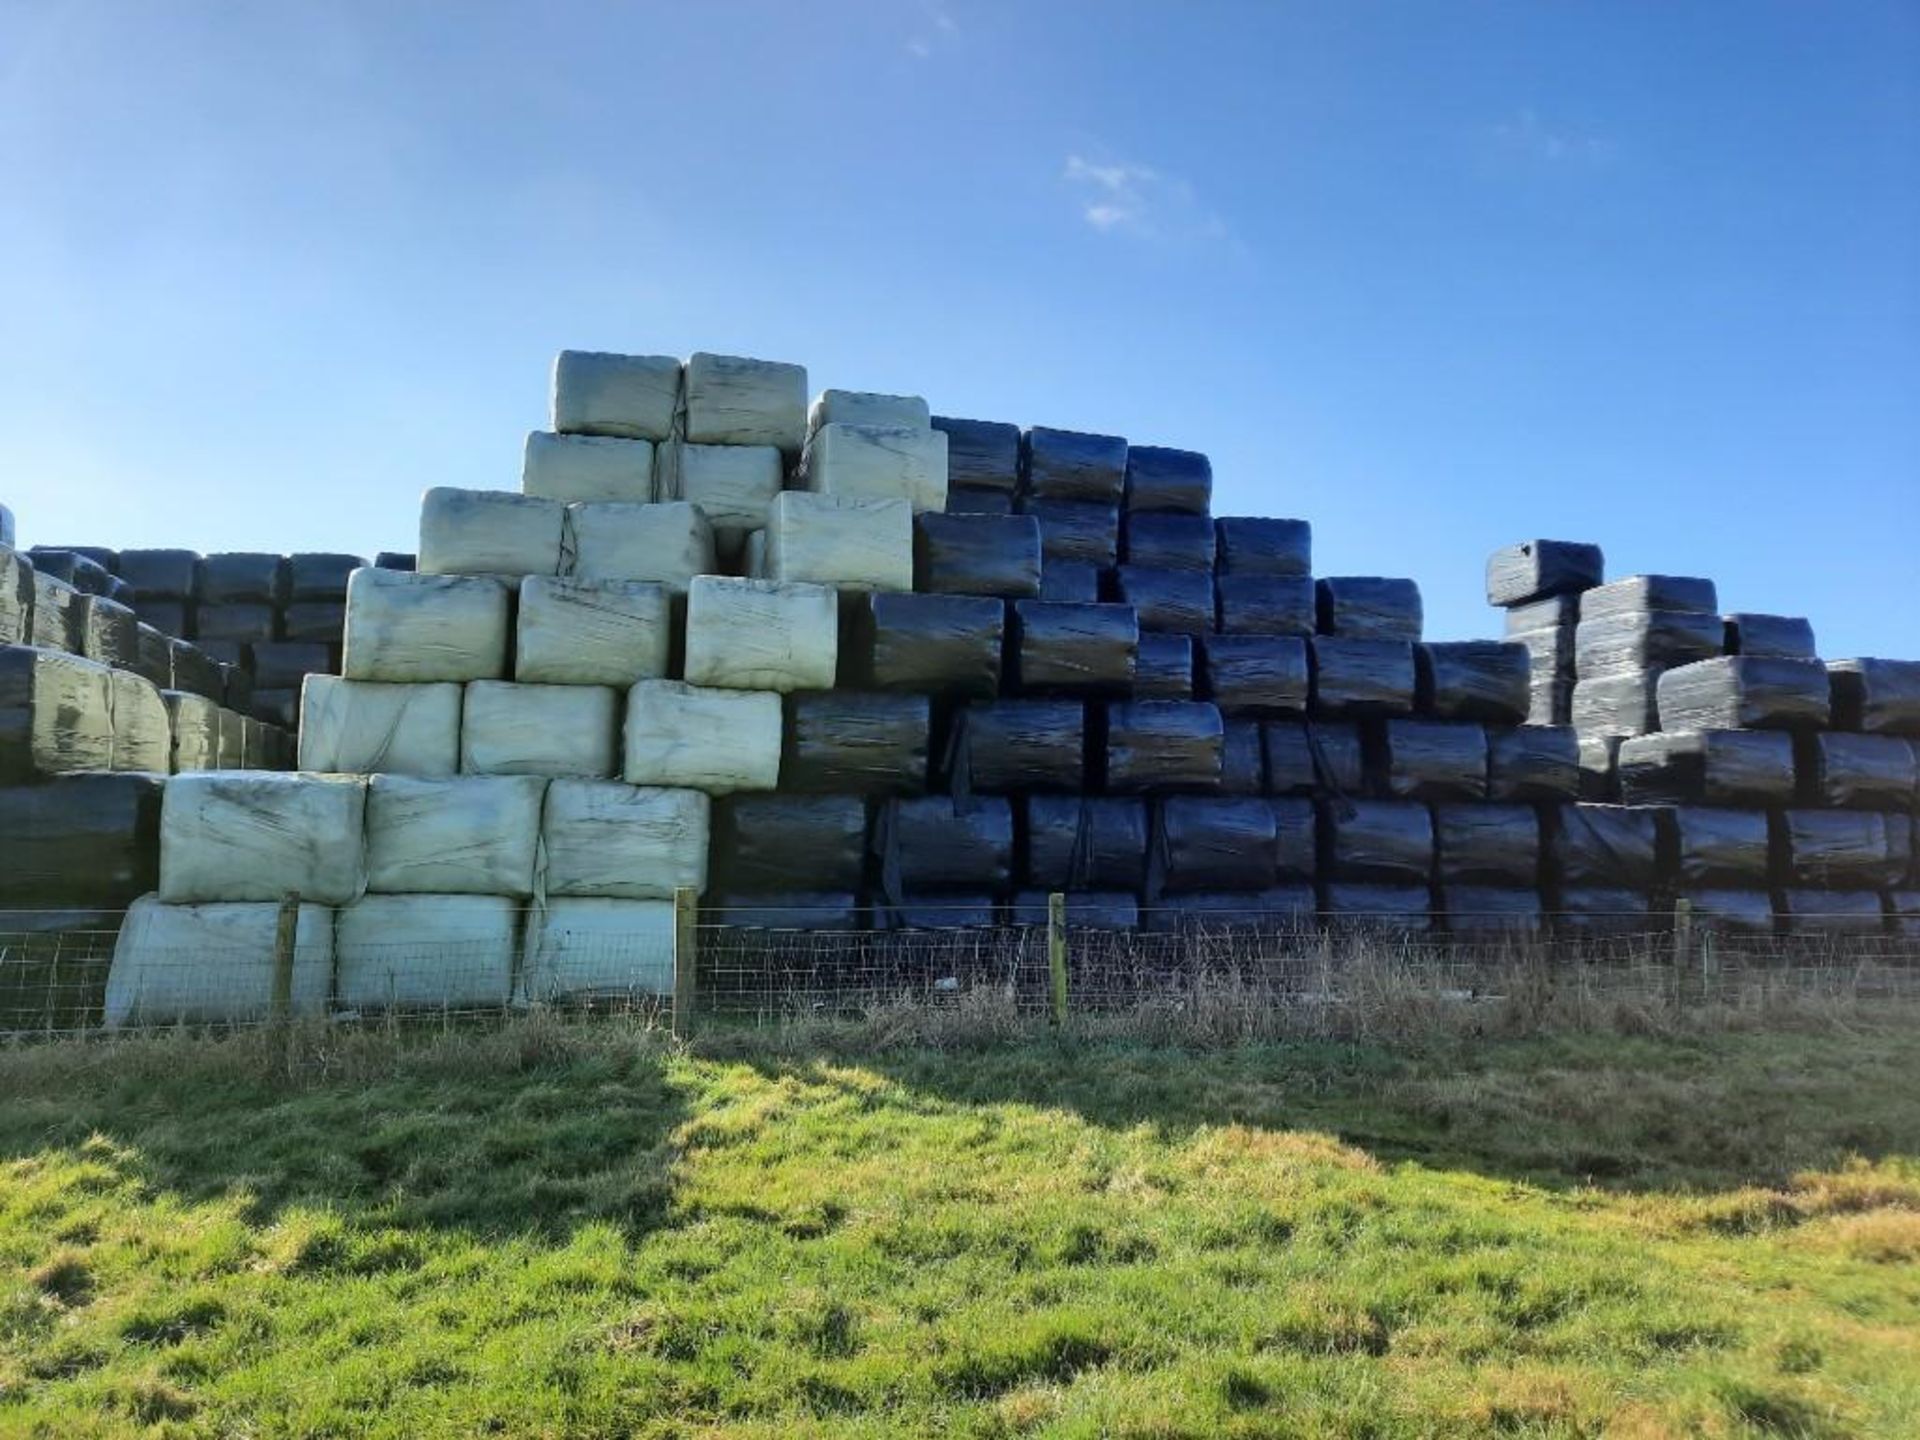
(1682, 944)
(1057, 954)
(286, 936)
(686, 953)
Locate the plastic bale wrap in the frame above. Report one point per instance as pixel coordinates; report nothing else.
(577, 468)
(667, 544)
(1486, 844)
(1402, 909)
(1842, 849)
(1596, 911)
(193, 722)
(592, 632)
(865, 407)
(394, 560)
(1074, 649)
(1879, 697)
(1296, 829)
(283, 664)
(108, 633)
(1072, 842)
(365, 727)
(802, 910)
(928, 842)
(1744, 692)
(87, 569)
(733, 400)
(1725, 911)
(246, 622)
(404, 627)
(1163, 668)
(1176, 602)
(1162, 479)
(1433, 760)
(719, 741)
(605, 950)
(453, 835)
(879, 462)
(233, 746)
(1832, 912)
(488, 532)
(56, 621)
(1784, 637)
(1606, 846)
(603, 839)
(996, 555)
(1073, 465)
(1265, 604)
(256, 835)
(938, 912)
(1243, 764)
(1858, 772)
(1013, 746)
(630, 397)
(1618, 705)
(1708, 767)
(1156, 746)
(966, 500)
(1279, 909)
(1070, 581)
(1550, 677)
(214, 964)
(981, 454)
(1387, 842)
(1635, 640)
(833, 540)
(191, 669)
(6, 526)
(169, 617)
(1168, 542)
(16, 597)
(732, 484)
(1208, 843)
(761, 635)
(1557, 612)
(279, 708)
(425, 952)
(160, 574)
(1903, 913)
(551, 730)
(1492, 910)
(857, 743)
(1533, 762)
(1535, 569)
(56, 714)
(1085, 910)
(1257, 675)
(1085, 532)
(1256, 545)
(1474, 680)
(1600, 766)
(767, 844)
(1650, 592)
(318, 575)
(79, 840)
(1715, 846)
(1369, 607)
(1353, 679)
(947, 645)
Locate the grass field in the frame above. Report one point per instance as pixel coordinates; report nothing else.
(556, 1229)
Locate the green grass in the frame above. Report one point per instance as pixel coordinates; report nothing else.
(584, 1230)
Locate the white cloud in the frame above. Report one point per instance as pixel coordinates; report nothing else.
(943, 27)
(1529, 137)
(1119, 198)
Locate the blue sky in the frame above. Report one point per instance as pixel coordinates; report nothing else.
(1434, 276)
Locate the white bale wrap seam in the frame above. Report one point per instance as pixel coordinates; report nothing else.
(213, 964)
(667, 544)
(865, 407)
(833, 540)
(460, 835)
(554, 730)
(142, 738)
(255, 835)
(573, 468)
(581, 949)
(631, 397)
(732, 485)
(623, 842)
(592, 632)
(412, 628)
(761, 635)
(425, 952)
(489, 532)
(194, 722)
(719, 741)
(364, 727)
(732, 400)
(879, 462)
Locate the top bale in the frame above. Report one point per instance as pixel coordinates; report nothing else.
(1536, 569)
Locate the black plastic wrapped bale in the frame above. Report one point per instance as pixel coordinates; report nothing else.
(1077, 530)
(1725, 911)
(1243, 765)
(1296, 837)
(1385, 841)
(1086, 909)
(319, 576)
(1354, 679)
(1168, 542)
(1073, 465)
(1708, 767)
(1265, 605)
(284, 664)
(1368, 607)
(1842, 849)
(968, 500)
(1600, 766)
(955, 911)
(1832, 912)
(856, 743)
(120, 592)
(1207, 843)
(171, 617)
(995, 555)
(1084, 843)
(110, 633)
(246, 622)
(1556, 612)
(1069, 649)
(929, 644)
(80, 840)
(1257, 675)
(191, 669)
(1606, 846)
(1473, 680)
(1879, 697)
(56, 714)
(1784, 637)
(1634, 640)
(1256, 545)
(1279, 909)
(1858, 772)
(831, 911)
(1903, 913)
(156, 655)
(236, 687)
(1596, 911)
(160, 574)
(278, 707)
(394, 560)
(929, 842)
(16, 597)
(242, 577)
(86, 575)
(1070, 582)
(1717, 846)
(1744, 692)
(1433, 760)
(1156, 746)
(57, 621)
(1624, 704)
(773, 843)
(1402, 909)
(1535, 569)
(1014, 746)
(1160, 479)
(981, 454)
(1492, 911)
(1163, 668)
(1487, 845)
(1533, 762)
(1550, 672)
(1650, 592)
(322, 620)
(1168, 602)
(1307, 759)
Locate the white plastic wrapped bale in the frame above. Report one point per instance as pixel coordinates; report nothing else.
(214, 964)
(233, 740)
(623, 842)
(56, 714)
(753, 560)
(142, 739)
(832, 540)
(489, 532)
(194, 722)
(600, 949)
(458, 835)
(413, 628)
(761, 635)
(6, 526)
(631, 397)
(365, 727)
(732, 485)
(256, 835)
(574, 468)
(667, 544)
(879, 462)
(592, 632)
(731, 400)
(16, 597)
(426, 952)
(864, 407)
(719, 741)
(553, 730)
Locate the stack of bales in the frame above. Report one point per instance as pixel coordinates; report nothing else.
(1539, 583)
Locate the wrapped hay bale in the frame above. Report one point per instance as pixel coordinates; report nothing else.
(1486, 845)
(771, 844)
(630, 397)
(1708, 767)
(1842, 849)
(488, 532)
(191, 669)
(1556, 612)
(1369, 607)
(244, 622)
(1303, 759)
(283, 664)
(1635, 640)
(1388, 842)
(1474, 680)
(1492, 911)
(1858, 772)
(1070, 581)
(732, 484)
(1073, 465)
(1402, 909)
(241, 577)
(1243, 763)
(964, 500)
(1744, 692)
(1163, 668)
(1296, 829)
(732, 400)
(394, 560)
(1265, 605)
(1903, 913)
(848, 544)
(1879, 697)
(257, 835)
(1074, 842)
(623, 842)
(685, 736)
(813, 911)
(981, 454)
(1256, 545)
(1831, 912)
(879, 462)
(1601, 911)
(946, 912)
(425, 952)
(142, 738)
(1083, 532)
(108, 633)
(453, 835)
(79, 840)
(56, 621)
(404, 627)
(946, 645)
(1085, 910)
(233, 745)
(1535, 569)
(1718, 847)
(194, 724)
(667, 544)
(761, 635)
(56, 714)
(1433, 760)
(592, 949)
(846, 741)
(1208, 843)
(1279, 909)
(1784, 637)
(214, 964)
(864, 407)
(552, 730)
(1725, 911)
(1156, 746)
(363, 727)
(1259, 675)
(160, 574)
(319, 575)
(592, 632)
(1606, 846)
(1533, 762)
(16, 597)
(573, 469)
(1013, 746)
(1074, 649)
(1354, 679)
(1650, 592)
(1175, 602)
(1158, 541)
(928, 843)
(995, 555)
(1160, 479)
(1618, 705)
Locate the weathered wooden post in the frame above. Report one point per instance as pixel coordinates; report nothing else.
(1057, 954)
(686, 952)
(286, 937)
